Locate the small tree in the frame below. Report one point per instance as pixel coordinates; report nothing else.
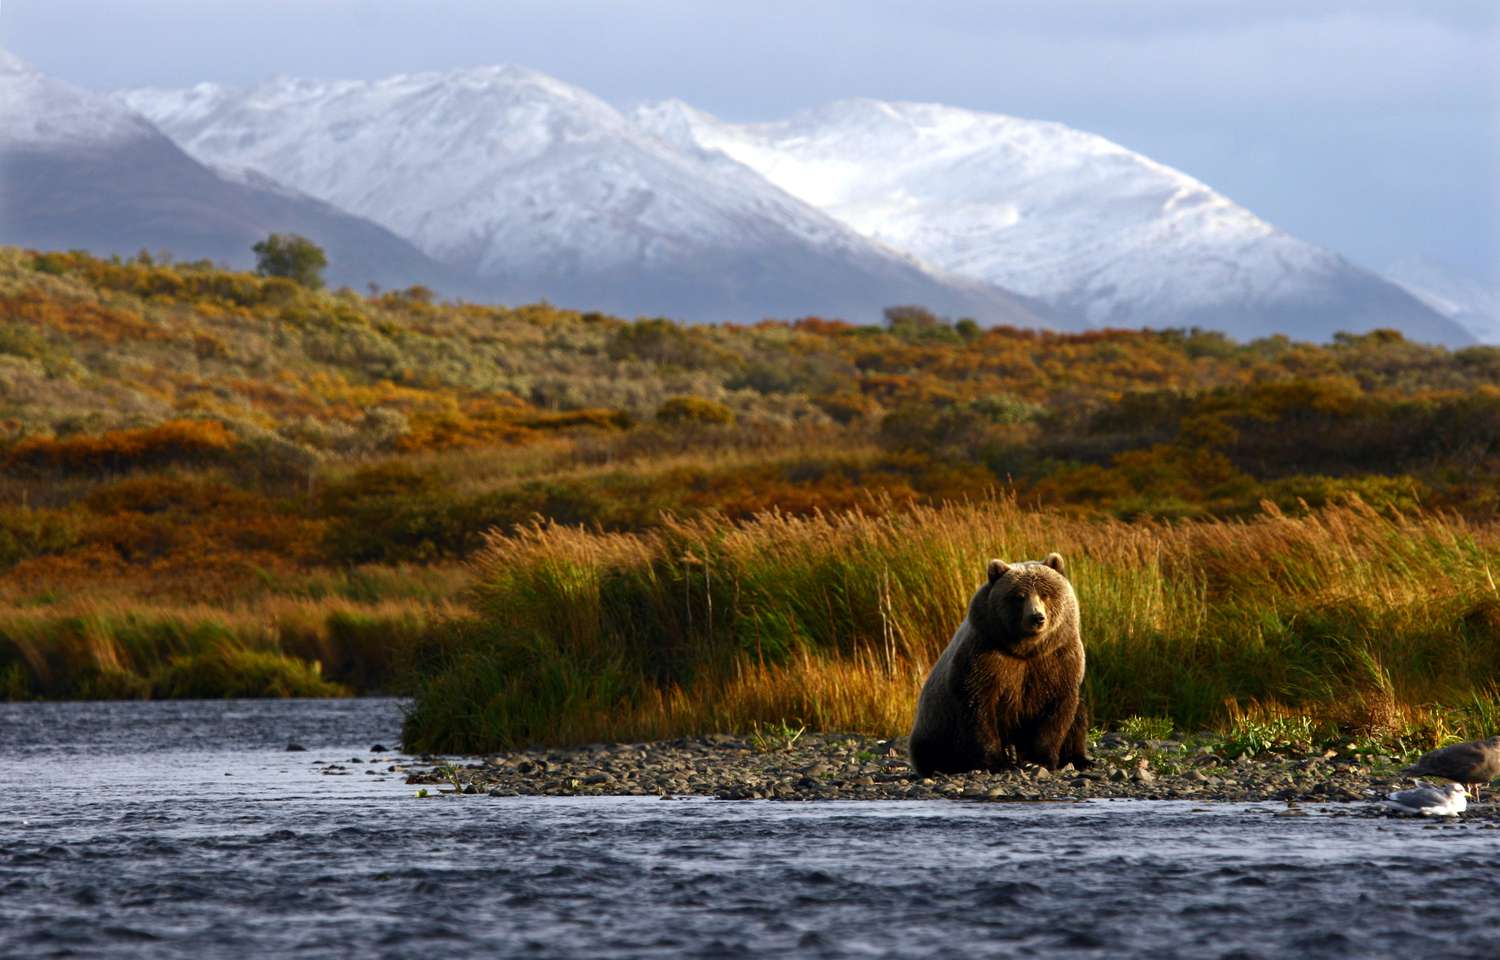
(918, 323)
(292, 256)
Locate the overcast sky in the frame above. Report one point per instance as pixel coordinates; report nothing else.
(1370, 127)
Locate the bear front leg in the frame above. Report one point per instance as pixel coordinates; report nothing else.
(1051, 730)
(999, 756)
(1076, 745)
(994, 753)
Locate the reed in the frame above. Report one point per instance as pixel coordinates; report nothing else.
(1368, 621)
(113, 648)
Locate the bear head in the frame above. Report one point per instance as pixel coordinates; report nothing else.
(1020, 610)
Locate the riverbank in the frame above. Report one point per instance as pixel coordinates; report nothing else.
(853, 767)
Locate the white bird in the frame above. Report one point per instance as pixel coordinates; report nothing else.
(1429, 801)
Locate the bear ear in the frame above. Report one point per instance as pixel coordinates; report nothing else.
(1055, 561)
(997, 569)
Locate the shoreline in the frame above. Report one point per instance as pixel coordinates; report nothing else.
(825, 767)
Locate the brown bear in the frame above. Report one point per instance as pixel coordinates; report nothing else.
(1007, 689)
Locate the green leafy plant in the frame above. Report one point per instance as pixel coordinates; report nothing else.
(1252, 737)
(777, 737)
(1138, 728)
(449, 772)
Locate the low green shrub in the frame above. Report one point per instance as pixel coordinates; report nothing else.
(223, 673)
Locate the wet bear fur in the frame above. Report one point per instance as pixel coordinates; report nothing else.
(1007, 689)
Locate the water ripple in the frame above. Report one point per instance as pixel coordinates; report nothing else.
(143, 848)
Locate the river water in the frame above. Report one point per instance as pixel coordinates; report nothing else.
(185, 829)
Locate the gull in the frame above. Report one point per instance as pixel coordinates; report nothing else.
(1474, 763)
(1428, 801)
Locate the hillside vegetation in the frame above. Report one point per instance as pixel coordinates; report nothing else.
(202, 469)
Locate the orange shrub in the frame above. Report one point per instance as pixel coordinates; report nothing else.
(569, 419)
(175, 441)
(821, 327)
(79, 318)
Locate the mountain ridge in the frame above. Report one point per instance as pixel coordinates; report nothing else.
(1066, 216)
(543, 190)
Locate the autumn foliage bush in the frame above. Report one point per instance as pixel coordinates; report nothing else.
(172, 442)
(693, 410)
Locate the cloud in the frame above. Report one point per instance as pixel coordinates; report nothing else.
(764, 57)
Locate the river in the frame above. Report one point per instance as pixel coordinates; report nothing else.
(185, 829)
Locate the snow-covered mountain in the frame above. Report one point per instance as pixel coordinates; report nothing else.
(1094, 229)
(79, 171)
(543, 190)
(524, 187)
(1467, 300)
(43, 114)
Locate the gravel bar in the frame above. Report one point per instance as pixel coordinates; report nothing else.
(855, 767)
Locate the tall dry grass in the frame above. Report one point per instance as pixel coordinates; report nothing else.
(1364, 619)
(124, 648)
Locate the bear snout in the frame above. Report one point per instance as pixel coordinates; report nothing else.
(1033, 615)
